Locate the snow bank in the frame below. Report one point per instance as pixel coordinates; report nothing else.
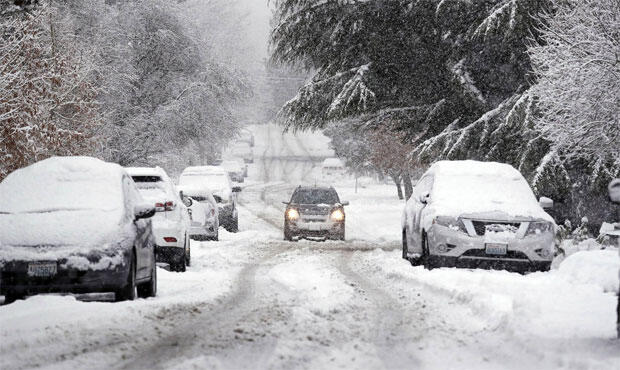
(598, 268)
(474, 187)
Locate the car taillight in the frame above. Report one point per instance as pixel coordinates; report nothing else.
(212, 213)
(170, 239)
(160, 207)
(170, 206)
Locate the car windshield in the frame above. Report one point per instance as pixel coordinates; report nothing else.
(149, 182)
(210, 180)
(315, 196)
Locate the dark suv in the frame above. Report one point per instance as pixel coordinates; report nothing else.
(314, 212)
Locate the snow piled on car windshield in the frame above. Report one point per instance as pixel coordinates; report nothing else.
(470, 187)
(62, 201)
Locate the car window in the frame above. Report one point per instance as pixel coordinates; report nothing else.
(315, 196)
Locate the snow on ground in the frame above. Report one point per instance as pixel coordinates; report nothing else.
(252, 300)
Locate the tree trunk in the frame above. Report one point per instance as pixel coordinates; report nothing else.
(397, 181)
(407, 184)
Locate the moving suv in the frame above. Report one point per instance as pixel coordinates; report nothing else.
(314, 212)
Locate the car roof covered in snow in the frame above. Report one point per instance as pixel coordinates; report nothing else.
(63, 201)
(332, 162)
(493, 189)
(204, 170)
(193, 190)
(146, 171)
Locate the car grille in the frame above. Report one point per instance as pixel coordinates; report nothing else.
(481, 226)
(509, 254)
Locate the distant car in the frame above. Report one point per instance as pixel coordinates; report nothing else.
(204, 213)
(332, 167)
(243, 151)
(477, 214)
(237, 170)
(75, 225)
(315, 212)
(215, 179)
(171, 221)
(246, 136)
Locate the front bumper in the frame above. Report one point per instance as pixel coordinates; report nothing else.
(14, 279)
(328, 229)
(453, 248)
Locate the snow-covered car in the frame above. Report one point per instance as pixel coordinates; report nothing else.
(477, 214)
(216, 180)
(332, 167)
(246, 136)
(243, 151)
(204, 213)
(75, 225)
(614, 196)
(237, 170)
(171, 222)
(314, 212)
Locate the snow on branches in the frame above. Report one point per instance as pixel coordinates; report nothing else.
(578, 70)
(47, 93)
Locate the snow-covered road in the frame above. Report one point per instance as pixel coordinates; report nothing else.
(253, 301)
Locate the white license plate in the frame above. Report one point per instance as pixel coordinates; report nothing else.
(496, 248)
(42, 269)
(314, 227)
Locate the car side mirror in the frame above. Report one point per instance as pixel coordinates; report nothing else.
(545, 203)
(424, 197)
(144, 210)
(287, 203)
(614, 191)
(345, 203)
(236, 189)
(187, 201)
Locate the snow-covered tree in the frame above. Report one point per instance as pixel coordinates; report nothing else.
(578, 71)
(47, 90)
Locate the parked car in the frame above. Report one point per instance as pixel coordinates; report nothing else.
(217, 180)
(237, 170)
(477, 214)
(246, 136)
(243, 151)
(204, 213)
(614, 196)
(75, 225)
(171, 222)
(314, 212)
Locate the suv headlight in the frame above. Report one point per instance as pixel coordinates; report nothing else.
(539, 227)
(337, 215)
(452, 223)
(292, 214)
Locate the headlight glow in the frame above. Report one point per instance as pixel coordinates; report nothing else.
(337, 215)
(292, 214)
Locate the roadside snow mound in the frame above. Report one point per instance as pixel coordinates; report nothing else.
(593, 267)
(489, 188)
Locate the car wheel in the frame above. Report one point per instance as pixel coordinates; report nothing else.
(188, 255)
(11, 297)
(234, 225)
(128, 291)
(149, 289)
(426, 255)
(405, 248)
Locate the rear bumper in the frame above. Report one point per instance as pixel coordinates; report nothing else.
(208, 230)
(169, 254)
(14, 279)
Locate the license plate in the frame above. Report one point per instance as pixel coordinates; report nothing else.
(42, 269)
(496, 249)
(314, 227)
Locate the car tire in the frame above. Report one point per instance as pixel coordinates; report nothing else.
(426, 255)
(234, 225)
(128, 291)
(149, 289)
(11, 297)
(405, 247)
(188, 254)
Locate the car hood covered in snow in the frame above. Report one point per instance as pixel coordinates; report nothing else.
(482, 190)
